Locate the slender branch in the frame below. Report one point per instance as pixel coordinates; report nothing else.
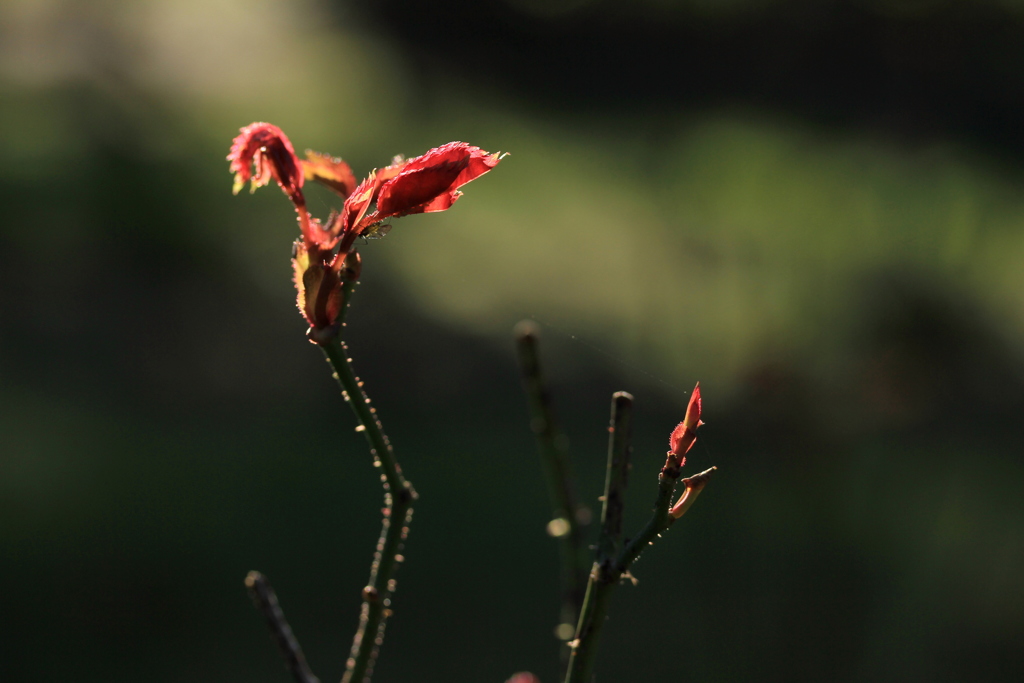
(616, 474)
(604, 575)
(265, 599)
(399, 495)
(568, 517)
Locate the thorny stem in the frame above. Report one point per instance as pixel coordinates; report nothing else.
(347, 287)
(568, 517)
(612, 564)
(604, 575)
(265, 599)
(660, 519)
(399, 495)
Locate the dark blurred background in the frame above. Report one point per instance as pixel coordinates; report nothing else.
(813, 207)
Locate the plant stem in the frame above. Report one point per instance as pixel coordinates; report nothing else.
(568, 518)
(347, 288)
(399, 495)
(265, 599)
(605, 575)
(592, 618)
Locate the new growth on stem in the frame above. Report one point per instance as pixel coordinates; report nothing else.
(614, 556)
(326, 266)
(325, 258)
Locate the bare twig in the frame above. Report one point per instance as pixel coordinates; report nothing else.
(265, 599)
(603, 576)
(568, 518)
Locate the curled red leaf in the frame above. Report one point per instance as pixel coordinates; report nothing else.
(266, 148)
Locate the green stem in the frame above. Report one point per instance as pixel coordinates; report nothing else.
(568, 518)
(592, 618)
(605, 575)
(399, 496)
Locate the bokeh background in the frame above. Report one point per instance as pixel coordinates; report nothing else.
(816, 208)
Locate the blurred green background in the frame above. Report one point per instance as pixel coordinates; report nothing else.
(813, 207)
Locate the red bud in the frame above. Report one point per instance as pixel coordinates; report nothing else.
(685, 434)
